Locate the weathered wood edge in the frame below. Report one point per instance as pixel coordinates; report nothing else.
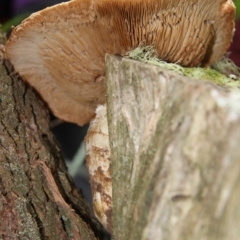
(175, 154)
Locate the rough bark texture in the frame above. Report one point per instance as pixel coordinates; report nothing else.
(175, 155)
(38, 199)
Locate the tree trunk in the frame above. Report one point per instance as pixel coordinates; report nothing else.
(174, 145)
(38, 199)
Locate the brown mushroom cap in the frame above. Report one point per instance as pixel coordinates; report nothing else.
(60, 50)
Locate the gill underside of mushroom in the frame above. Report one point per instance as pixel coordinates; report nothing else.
(67, 43)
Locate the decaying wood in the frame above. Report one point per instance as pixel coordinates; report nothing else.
(175, 155)
(99, 167)
(38, 199)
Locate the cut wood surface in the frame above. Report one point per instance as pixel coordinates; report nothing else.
(175, 154)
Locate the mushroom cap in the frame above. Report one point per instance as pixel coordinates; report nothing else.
(60, 50)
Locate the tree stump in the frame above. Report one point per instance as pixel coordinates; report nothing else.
(175, 156)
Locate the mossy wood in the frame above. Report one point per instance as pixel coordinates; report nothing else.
(175, 154)
(38, 199)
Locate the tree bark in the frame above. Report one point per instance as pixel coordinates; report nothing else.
(174, 146)
(38, 199)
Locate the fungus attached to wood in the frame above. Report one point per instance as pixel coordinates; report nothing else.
(60, 52)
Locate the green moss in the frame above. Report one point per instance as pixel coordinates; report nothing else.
(5, 27)
(223, 72)
(3, 37)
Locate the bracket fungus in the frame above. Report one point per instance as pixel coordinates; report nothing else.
(60, 50)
